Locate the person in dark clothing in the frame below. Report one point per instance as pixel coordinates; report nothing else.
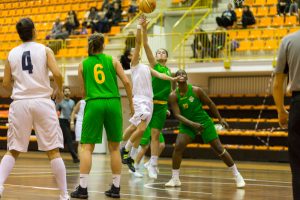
(283, 7)
(117, 17)
(247, 17)
(65, 107)
(228, 18)
(71, 22)
(92, 21)
(201, 44)
(288, 65)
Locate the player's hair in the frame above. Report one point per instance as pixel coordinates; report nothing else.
(25, 28)
(180, 71)
(164, 50)
(95, 43)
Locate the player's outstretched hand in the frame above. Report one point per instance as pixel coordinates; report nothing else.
(283, 119)
(224, 124)
(143, 22)
(175, 79)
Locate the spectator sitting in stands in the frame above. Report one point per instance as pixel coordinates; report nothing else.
(58, 31)
(92, 20)
(247, 17)
(117, 13)
(293, 8)
(228, 18)
(283, 7)
(132, 10)
(71, 22)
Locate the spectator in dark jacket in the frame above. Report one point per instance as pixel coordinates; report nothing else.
(228, 18)
(71, 22)
(117, 13)
(283, 7)
(247, 17)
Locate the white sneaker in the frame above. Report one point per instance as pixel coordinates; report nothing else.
(240, 183)
(152, 172)
(1, 190)
(136, 173)
(66, 197)
(146, 165)
(174, 182)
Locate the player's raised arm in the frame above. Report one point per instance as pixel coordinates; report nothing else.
(149, 54)
(136, 54)
(126, 83)
(177, 114)
(162, 76)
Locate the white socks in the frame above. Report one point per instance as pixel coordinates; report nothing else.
(59, 171)
(234, 170)
(83, 182)
(175, 173)
(128, 145)
(123, 143)
(6, 167)
(133, 153)
(153, 160)
(116, 180)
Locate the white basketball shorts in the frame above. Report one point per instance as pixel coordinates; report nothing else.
(39, 114)
(143, 109)
(78, 129)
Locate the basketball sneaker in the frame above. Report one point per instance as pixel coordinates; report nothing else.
(146, 165)
(1, 191)
(240, 183)
(66, 197)
(174, 182)
(130, 164)
(124, 155)
(80, 193)
(152, 171)
(137, 174)
(114, 192)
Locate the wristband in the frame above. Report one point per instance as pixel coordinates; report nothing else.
(139, 26)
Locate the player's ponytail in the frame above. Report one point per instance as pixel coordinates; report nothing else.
(95, 43)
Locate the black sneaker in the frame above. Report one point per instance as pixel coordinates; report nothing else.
(114, 192)
(124, 155)
(80, 193)
(130, 164)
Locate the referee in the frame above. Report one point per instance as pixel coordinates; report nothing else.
(288, 63)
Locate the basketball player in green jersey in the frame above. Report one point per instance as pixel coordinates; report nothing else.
(186, 103)
(98, 76)
(161, 91)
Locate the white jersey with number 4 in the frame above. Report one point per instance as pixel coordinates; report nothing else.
(29, 70)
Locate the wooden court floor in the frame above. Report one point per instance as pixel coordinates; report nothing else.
(32, 179)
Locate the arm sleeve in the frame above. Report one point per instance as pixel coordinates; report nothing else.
(282, 63)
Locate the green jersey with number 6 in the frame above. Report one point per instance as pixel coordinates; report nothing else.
(100, 78)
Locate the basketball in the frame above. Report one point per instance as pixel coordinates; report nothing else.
(147, 6)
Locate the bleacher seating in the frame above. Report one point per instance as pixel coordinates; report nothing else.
(241, 112)
(44, 13)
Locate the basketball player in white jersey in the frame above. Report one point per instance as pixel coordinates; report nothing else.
(78, 112)
(28, 66)
(142, 100)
